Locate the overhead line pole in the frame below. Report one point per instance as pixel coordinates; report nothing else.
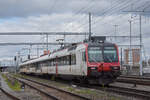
(141, 66)
(115, 30)
(130, 50)
(47, 41)
(89, 26)
(130, 33)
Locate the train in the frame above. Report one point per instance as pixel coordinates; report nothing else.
(95, 62)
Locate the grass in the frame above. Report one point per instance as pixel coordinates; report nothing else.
(52, 82)
(13, 84)
(87, 91)
(70, 89)
(94, 95)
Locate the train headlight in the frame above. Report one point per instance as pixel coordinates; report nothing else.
(115, 67)
(93, 68)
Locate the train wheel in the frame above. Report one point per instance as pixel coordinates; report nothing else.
(104, 82)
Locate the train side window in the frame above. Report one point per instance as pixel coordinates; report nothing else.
(27, 67)
(61, 61)
(50, 63)
(47, 63)
(39, 66)
(64, 60)
(84, 56)
(33, 65)
(44, 64)
(36, 64)
(58, 61)
(67, 60)
(55, 62)
(73, 59)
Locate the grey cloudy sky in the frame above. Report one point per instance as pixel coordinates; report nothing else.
(72, 16)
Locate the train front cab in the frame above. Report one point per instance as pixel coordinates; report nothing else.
(103, 63)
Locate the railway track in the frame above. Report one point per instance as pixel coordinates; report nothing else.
(9, 95)
(50, 91)
(135, 77)
(134, 80)
(144, 95)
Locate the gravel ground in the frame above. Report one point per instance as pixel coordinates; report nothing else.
(139, 87)
(127, 85)
(91, 93)
(4, 97)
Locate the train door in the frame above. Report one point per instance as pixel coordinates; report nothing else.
(83, 67)
(73, 63)
(38, 68)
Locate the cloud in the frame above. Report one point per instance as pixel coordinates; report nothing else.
(69, 15)
(24, 8)
(48, 23)
(53, 22)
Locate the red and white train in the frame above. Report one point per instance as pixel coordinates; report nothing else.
(88, 61)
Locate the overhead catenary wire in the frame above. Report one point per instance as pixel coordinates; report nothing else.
(81, 10)
(85, 14)
(112, 20)
(87, 8)
(119, 8)
(122, 7)
(107, 11)
(119, 15)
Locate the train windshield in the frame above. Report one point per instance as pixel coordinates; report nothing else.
(95, 54)
(110, 54)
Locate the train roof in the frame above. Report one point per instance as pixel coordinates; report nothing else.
(98, 41)
(101, 44)
(59, 53)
